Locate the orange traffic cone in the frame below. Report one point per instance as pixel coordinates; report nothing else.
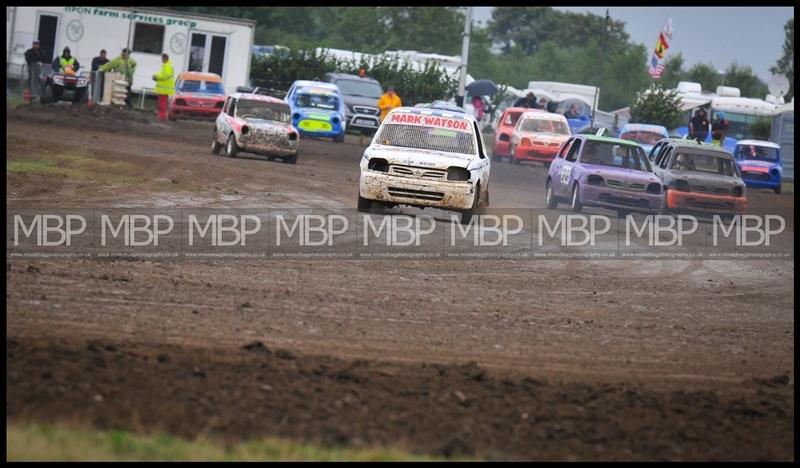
(26, 96)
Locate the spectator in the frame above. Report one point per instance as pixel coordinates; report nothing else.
(477, 103)
(572, 113)
(125, 65)
(698, 125)
(165, 85)
(35, 57)
(390, 100)
(543, 103)
(719, 128)
(99, 61)
(66, 63)
(529, 101)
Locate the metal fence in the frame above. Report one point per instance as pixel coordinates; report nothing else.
(30, 77)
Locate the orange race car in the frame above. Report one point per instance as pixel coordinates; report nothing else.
(537, 136)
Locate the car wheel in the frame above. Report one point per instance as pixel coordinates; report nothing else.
(215, 146)
(339, 138)
(549, 199)
(364, 205)
(231, 148)
(577, 206)
(476, 210)
(291, 159)
(778, 189)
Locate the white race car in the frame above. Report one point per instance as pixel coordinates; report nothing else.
(426, 158)
(256, 124)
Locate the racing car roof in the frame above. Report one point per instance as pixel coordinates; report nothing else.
(602, 139)
(199, 76)
(258, 97)
(305, 84)
(767, 144)
(643, 126)
(692, 144)
(432, 111)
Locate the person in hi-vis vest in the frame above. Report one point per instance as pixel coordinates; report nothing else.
(165, 85)
(66, 63)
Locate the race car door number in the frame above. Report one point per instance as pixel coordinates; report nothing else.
(565, 172)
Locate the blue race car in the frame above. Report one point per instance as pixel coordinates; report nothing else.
(318, 109)
(760, 163)
(646, 135)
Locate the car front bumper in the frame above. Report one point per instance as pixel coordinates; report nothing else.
(607, 197)
(379, 186)
(194, 111)
(770, 183)
(543, 153)
(363, 122)
(705, 202)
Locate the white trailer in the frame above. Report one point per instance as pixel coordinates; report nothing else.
(194, 42)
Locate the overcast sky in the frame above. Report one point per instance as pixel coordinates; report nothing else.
(719, 35)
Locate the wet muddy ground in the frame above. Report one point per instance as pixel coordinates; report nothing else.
(547, 359)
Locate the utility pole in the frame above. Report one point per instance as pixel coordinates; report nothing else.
(600, 67)
(462, 79)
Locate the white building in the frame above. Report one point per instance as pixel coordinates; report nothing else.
(194, 42)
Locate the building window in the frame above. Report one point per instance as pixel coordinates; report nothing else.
(148, 38)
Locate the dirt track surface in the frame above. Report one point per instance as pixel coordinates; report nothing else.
(541, 360)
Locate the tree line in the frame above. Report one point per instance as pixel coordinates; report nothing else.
(518, 45)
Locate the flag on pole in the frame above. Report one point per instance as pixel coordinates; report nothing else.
(656, 66)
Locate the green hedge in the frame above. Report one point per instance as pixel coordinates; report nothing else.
(429, 84)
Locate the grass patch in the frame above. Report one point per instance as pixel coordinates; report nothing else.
(30, 442)
(82, 166)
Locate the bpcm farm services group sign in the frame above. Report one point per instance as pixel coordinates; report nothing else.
(142, 18)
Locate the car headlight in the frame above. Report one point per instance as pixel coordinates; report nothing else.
(654, 187)
(595, 180)
(457, 173)
(335, 120)
(738, 191)
(58, 79)
(378, 164)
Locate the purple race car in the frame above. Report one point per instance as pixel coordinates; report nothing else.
(604, 172)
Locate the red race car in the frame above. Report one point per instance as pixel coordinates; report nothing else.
(197, 95)
(503, 132)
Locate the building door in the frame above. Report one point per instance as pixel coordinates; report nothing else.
(46, 33)
(207, 53)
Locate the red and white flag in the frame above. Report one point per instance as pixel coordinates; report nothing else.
(656, 66)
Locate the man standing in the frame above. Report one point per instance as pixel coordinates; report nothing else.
(719, 128)
(165, 85)
(127, 66)
(97, 83)
(388, 101)
(99, 61)
(35, 57)
(698, 126)
(528, 101)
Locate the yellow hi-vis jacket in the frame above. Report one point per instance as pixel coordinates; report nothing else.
(165, 79)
